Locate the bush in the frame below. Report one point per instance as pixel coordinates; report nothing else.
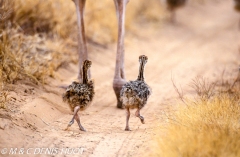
(202, 128)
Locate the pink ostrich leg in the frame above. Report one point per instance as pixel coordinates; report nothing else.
(119, 76)
(82, 46)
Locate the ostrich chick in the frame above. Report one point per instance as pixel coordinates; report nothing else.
(134, 94)
(173, 5)
(79, 95)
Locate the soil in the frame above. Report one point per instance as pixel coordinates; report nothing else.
(204, 41)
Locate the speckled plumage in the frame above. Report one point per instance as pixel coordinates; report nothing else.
(79, 94)
(135, 94)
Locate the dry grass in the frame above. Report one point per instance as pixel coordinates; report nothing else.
(38, 36)
(11, 66)
(207, 126)
(30, 47)
(29, 57)
(101, 20)
(3, 99)
(203, 129)
(203, 88)
(6, 11)
(53, 17)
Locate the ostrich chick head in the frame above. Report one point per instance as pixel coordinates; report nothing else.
(143, 59)
(87, 64)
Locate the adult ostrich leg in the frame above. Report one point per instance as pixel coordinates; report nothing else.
(119, 76)
(82, 46)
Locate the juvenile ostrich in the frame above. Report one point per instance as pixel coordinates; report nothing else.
(79, 95)
(134, 94)
(119, 76)
(173, 5)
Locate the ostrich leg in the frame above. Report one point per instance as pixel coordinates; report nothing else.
(119, 76)
(127, 119)
(82, 46)
(76, 117)
(137, 114)
(76, 109)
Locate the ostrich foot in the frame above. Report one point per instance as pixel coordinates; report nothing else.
(82, 129)
(142, 119)
(69, 125)
(127, 129)
(139, 116)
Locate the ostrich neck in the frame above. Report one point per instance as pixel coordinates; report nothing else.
(141, 71)
(85, 75)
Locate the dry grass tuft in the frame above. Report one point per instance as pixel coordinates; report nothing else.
(206, 126)
(54, 17)
(202, 129)
(231, 86)
(6, 11)
(29, 47)
(30, 57)
(11, 56)
(203, 88)
(3, 99)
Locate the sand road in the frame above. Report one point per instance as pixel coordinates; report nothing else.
(204, 42)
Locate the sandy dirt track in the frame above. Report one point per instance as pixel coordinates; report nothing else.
(203, 42)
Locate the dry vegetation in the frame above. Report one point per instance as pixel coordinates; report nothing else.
(36, 36)
(3, 99)
(33, 57)
(101, 18)
(29, 48)
(39, 36)
(206, 126)
(51, 17)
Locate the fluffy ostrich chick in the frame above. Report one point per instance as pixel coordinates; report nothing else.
(134, 94)
(80, 95)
